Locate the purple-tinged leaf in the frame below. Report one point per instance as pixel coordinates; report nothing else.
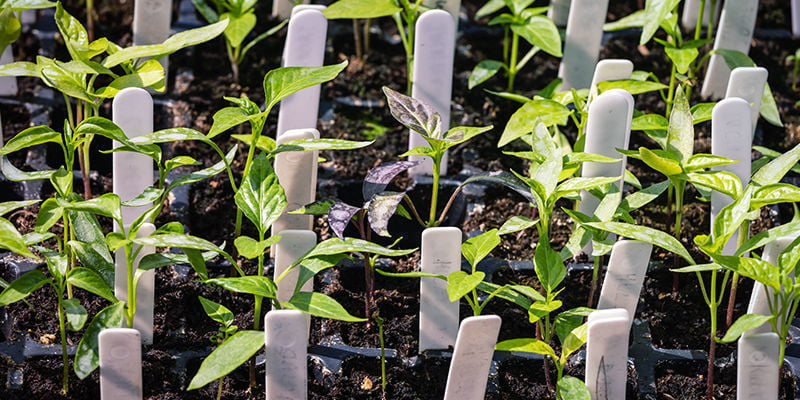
(380, 176)
(381, 208)
(339, 216)
(416, 115)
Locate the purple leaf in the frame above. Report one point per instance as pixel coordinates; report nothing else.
(416, 115)
(381, 208)
(339, 216)
(380, 176)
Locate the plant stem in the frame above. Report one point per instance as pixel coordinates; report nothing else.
(219, 388)
(131, 310)
(743, 230)
(357, 40)
(700, 16)
(512, 64)
(90, 20)
(437, 160)
(63, 332)
(257, 311)
(598, 264)
(678, 210)
(379, 321)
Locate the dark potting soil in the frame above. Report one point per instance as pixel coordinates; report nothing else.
(685, 380)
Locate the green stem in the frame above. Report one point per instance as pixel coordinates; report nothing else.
(437, 160)
(379, 321)
(598, 263)
(219, 388)
(743, 230)
(130, 313)
(63, 332)
(698, 27)
(512, 65)
(712, 349)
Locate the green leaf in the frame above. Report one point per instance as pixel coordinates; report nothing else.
(178, 240)
(76, 314)
(11, 239)
(204, 173)
(8, 206)
(503, 178)
(574, 341)
(769, 108)
(312, 266)
(768, 236)
(255, 285)
(460, 283)
(107, 205)
(635, 19)
(360, 9)
(680, 135)
(250, 248)
(107, 128)
(149, 74)
(701, 112)
(229, 117)
(22, 287)
(90, 281)
(31, 137)
(516, 224)
(482, 72)
(664, 165)
(490, 7)
(172, 44)
(54, 74)
(477, 248)
(775, 193)
(720, 181)
(524, 119)
(216, 311)
(548, 266)
(645, 234)
(238, 28)
(743, 324)
(90, 245)
(755, 269)
(321, 305)
(20, 68)
(320, 144)
(230, 354)
(279, 83)
(682, 58)
(541, 32)
(575, 185)
(702, 161)
(656, 11)
(266, 144)
(158, 260)
(351, 245)
(87, 356)
(527, 345)
(573, 388)
(260, 196)
(146, 198)
(775, 170)
(632, 86)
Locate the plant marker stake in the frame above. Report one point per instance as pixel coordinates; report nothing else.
(132, 111)
(582, 43)
(607, 353)
(731, 137)
(300, 7)
(434, 49)
(559, 12)
(626, 269)
(438, 316)
(796, 18)
(8, 84)
(758, 298)
(151, 23)
(293, 245)
(297, 174)
(286, 365)
(608, 127)
(451, 6)
(283, 8)
(305, 47)
(735, 32)
(610, 70)
(472, 357)
(120, 364)
(758, 367)
(691, 10)
(748, 83)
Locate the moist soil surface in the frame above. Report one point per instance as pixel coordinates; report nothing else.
(353, 107)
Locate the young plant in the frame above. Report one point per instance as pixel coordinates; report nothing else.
(224, 317)
(520, 21)
(794, 60)
(101, 61)
(422, 118)
(241, 21)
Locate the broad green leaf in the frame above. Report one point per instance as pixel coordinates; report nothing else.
(90, 245)
(11, 239)
(230, 354)
(729, 219)
(682, 58)
(721, 181)
(743, 324)
(775, 193)
(31, 137)
(775, 170)
(509, 295)
(22, 287)
(638, 199)
(461, 134)
(702, 161)
(238, 28)
(260, 196)
(524, 119)
(216, 311)
(483, 71)
(461, 283)
(177, 240)
(148, 75)
(76, 314)
(320, 207)
(250, 248)
(516, 224)
(255, 285)
(321, 305)
(635, 19)
(107, 128)
(632, 86)
(35, 237)
(527, 345)
(666, 166)
(755, 269)
(768, 236)
(20, 68)
(229, 117)
(158, 260)
(146, 198)
(573, 388)
(10, 27)
(541, 32)
(312, 266)
(320, 144)
(107, 205)
(279, 83)
(574, 341)
(87, 356)
(90, 281)
(266, 144)
(645, 234)
(204, 173)
(172, 44)
(20, 5)
(701, 112)
(490, 7)
(72, 84)
(360, 9)
(548, 266)
(477, 248)
(49, 214)
(351, 245)
(575, 185)
(655, 12)
(680, 134)
(541, 309)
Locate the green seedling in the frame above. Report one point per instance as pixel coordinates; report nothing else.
(241, 21)
(224, 317)
(520, 21)
(11, 25)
